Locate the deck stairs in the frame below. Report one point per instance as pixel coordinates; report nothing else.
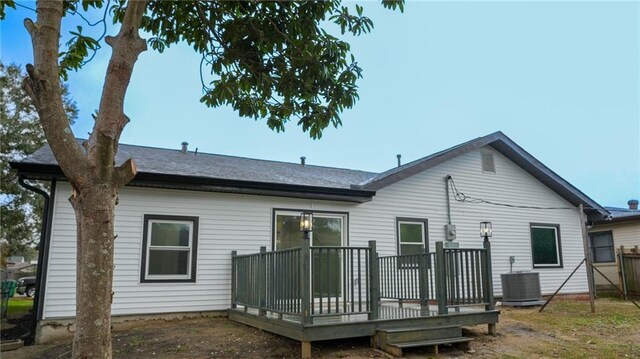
(393, 341)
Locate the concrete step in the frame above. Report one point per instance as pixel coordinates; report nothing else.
(393, 336)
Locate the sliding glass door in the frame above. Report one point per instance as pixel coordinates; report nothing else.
(329, 230)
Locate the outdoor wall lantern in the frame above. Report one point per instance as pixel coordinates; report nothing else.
(485, 230)
(306, 223)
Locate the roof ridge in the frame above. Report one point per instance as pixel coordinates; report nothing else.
(240, 157)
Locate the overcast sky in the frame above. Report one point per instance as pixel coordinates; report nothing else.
(560, 79)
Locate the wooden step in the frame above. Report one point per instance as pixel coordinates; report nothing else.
(393, 336)
(396, 349)
(428, 343)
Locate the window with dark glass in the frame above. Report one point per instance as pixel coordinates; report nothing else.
(169, 248)
(412, 235)
(602, 247)
(545, 245)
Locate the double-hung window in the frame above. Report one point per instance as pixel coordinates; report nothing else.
(412, 238)
(169, 249)
(545, 246)
(602, 247)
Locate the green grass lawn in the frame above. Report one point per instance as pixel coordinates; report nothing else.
(19, 305)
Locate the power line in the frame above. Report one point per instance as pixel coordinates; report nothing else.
(463, 198)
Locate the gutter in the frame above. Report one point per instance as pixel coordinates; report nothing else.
(43, 254)
(210, 184)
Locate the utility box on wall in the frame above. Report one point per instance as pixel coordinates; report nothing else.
(450, 232)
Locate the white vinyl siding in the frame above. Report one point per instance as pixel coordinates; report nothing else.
(624, 234)
(244, 223)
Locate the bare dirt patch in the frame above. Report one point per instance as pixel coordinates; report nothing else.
(566, 329)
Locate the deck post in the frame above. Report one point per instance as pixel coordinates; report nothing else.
(234, 280)
(441, 280)
(306, 350)
(262, 281)
(423, 278)
(305, 285)
(487, 275)
(374, 275)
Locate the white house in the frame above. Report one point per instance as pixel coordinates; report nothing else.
(621, 229)
(209, 205)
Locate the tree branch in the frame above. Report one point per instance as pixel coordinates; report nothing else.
(125, 173)
(126, 46)
(43, 86)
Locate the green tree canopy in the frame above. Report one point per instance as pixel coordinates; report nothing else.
(20, 135)
(278, 61)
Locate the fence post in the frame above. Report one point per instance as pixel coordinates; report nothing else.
(305, 279)
(441, 280)
(374, 276)
(487, 275)
(423, 277)
(623, 275)
(234, 280)
(262, 281)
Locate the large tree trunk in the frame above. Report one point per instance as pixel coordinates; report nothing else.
(91, 170)
(95, 210)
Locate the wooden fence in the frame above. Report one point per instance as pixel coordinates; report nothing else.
(629, 270)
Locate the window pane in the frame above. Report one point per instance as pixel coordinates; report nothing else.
(545, 250)
(411, 232)
(603, 255)
(169, 234)
(603, 239)
(288, 233)
(410, 249)
(327, 231)
(163, 262)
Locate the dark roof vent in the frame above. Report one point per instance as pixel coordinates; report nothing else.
(399, 156)
(303, 160)
(184, 146)
(633, 204)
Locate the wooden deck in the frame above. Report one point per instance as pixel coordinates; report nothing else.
(392, 315)
(323, 293)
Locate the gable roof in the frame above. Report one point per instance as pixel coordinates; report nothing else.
(167, 168)
(503, 144)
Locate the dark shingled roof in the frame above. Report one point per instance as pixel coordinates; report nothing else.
(174, 162)
(211, 172)
(619, 214)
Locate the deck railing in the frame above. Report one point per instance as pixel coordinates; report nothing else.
(313, 282)
(307, 281)
(408, 277)
(453, 277)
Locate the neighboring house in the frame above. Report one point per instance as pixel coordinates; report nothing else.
(213, 204)
(606, 236)
(17, 270)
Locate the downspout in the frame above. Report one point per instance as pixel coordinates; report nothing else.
(43, 255)
(446, 181)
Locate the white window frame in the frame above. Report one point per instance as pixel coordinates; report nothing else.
(556, 230)
(423, 225)
(149, 247)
